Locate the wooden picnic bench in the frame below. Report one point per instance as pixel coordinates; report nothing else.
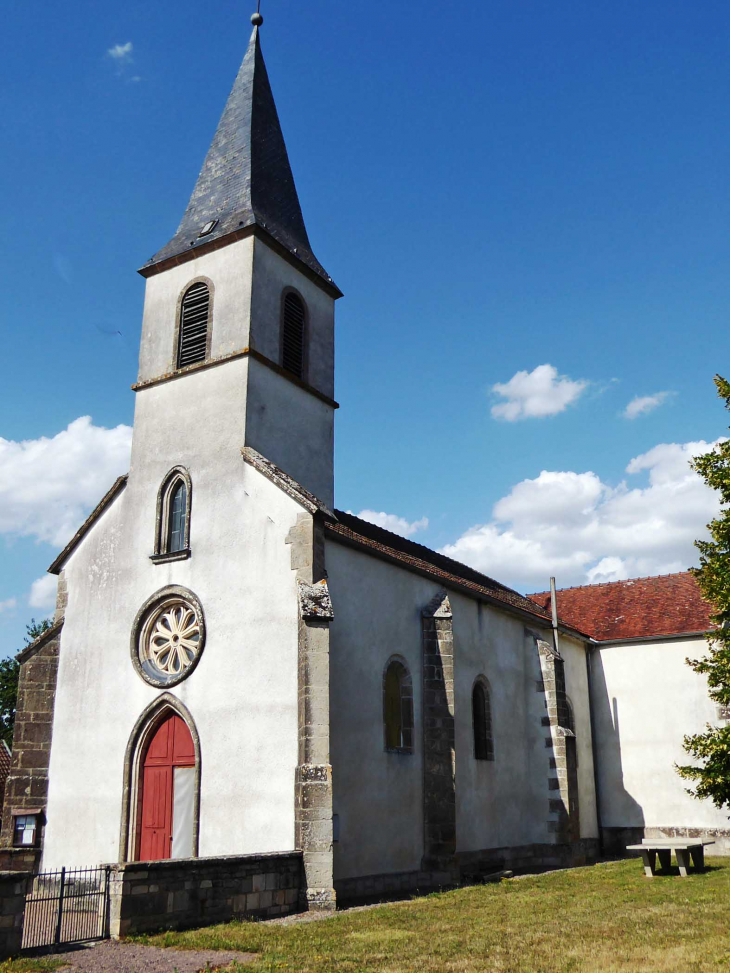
(683, 848)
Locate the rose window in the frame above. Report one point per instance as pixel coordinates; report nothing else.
(170, 640)
(173, 641)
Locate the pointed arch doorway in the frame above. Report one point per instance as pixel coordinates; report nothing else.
(167, 798)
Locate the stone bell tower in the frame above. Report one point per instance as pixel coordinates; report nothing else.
(237, 341)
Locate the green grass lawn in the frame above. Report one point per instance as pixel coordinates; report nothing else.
(601, 919)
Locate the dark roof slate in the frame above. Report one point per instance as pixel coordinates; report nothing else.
(246, 179)
(670, 604)
(377, 540)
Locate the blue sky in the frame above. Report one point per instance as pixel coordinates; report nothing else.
(497, 187)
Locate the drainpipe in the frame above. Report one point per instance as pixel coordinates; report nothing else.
(590, 649)
(554, 606)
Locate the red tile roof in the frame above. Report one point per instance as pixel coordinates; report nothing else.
(670, 604)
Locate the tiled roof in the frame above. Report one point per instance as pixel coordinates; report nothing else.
(350, 529)
(246, 180)
(670, 604)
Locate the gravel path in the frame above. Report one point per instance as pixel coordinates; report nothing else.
(112, 957)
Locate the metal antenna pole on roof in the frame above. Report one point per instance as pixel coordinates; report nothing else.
(554, 607)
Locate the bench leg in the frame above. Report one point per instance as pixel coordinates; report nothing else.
(649, 859)
(682, 861)
(698, 858)
(665, 859)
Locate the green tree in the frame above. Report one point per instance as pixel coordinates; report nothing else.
(9, 674)
(35, 629)
(711, 749)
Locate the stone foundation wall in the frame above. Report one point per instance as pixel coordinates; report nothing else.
(20, 860)
(473, 867)
(615, 840)
(149, 896)
(13, 889)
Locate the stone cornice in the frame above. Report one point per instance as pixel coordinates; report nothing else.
(36, 644)
(290, 486)
(232, 356)
(252, 230)
(105, 502)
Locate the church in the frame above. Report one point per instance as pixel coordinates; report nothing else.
(238, 669)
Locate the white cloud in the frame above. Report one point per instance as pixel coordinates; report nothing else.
(541, 392)
(43, 592)
(121, 53)
(8, 605)
(583, 530)
(398, 525)
(641, 404)
(48, 486)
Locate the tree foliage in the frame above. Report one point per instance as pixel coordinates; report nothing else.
(35, 629)
(711, 749)
(9, 672)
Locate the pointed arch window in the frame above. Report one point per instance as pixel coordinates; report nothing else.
(398, 707)
(172, 530)
(294, 319)
(176, 540)
(192, 344)
(482, 720)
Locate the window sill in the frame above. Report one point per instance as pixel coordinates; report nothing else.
(172, 556)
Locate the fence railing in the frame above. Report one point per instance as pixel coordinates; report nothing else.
(67, 906)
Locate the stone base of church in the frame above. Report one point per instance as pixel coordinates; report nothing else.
(615, 840)
(20, 860)
(469, 868)
(182, 893)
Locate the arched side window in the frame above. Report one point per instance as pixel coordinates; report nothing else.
(398, 707)
(569, 716)
(192, 345)
(293, 326)
(172, 530)
(482, 720)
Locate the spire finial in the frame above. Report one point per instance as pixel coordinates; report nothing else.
(256, 18)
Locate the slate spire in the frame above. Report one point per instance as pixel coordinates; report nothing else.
(246, 178)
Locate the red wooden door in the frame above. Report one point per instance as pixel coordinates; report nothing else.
(171, 746)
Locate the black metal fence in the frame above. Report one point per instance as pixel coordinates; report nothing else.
(67, 906)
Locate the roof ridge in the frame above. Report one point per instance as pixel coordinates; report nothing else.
(608, 584)
(429, 550)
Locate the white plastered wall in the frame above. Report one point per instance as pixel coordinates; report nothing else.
(377, 795)
(645, 700)
(287, 424)
(230, 271)
(243, 694)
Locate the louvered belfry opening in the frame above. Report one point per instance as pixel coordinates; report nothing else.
(193, 325)
(293, 337)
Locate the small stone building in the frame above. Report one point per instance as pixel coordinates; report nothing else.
(237, 668)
